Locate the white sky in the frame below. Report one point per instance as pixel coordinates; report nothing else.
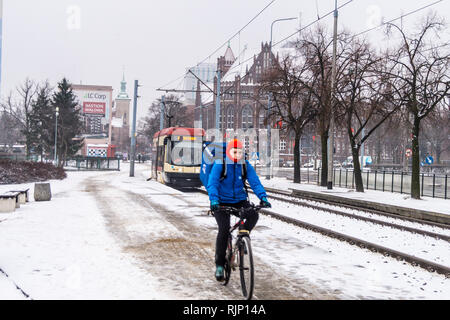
(155, 41)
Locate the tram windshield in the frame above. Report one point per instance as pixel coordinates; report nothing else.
(186, 153)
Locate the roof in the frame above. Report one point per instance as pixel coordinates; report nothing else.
(229, 55)
(181, 131)
(91, 87)
(238, 69)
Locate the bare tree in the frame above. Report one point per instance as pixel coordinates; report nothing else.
(9, 129)
(20, 109)
(175, 114)
(315, 48)
(361, 96)
(436, 131)
(421, 79)
(292, 100)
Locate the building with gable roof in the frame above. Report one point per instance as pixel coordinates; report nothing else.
(242, 107)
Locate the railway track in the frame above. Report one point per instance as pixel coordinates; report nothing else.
(374, 247)
(354, 207)
(367, 219)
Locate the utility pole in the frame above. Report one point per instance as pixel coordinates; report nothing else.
(161, 116)
(218, 103)
(333, 84)
(56, 135)
(362, 149)
(269, 135)
(133, 128)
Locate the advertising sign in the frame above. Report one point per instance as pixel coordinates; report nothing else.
(94, 108)
(94, 102)
(95, 105)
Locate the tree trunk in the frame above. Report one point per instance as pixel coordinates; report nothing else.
(357, 168)
(324, 172)
(438, 151)
(297, 159)
(415, 175)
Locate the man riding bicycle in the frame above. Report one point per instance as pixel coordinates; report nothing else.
(230, 191)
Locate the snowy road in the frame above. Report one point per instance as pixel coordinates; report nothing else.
(108, 236)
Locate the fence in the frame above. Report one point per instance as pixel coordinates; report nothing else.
(431, 184)
(14, 157)
(88, 163)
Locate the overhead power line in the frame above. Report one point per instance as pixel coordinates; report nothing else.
(400, 17)
(226, 42)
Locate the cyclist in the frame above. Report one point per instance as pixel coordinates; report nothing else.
(230, 191)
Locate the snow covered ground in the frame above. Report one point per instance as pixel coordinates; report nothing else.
(105, 235)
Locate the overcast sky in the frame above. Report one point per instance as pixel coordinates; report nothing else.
(92, 41)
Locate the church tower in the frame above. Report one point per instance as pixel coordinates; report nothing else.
(225, 62)
(121, 119)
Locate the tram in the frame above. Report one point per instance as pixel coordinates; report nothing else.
(177, 156)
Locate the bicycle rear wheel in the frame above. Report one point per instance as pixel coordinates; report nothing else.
(246, 270)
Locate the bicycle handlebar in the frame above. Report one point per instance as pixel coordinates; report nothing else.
(243, 209)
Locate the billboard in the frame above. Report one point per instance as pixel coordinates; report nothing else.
(94, 102)
(95, 105)
(94, 108)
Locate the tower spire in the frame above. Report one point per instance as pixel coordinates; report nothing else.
(123, 87)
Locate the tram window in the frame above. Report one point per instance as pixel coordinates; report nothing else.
(160, 156)
(186, 153)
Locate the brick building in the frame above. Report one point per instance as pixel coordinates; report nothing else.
(242, 107)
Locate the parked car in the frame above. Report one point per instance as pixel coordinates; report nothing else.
(288, 163)
(308, 165)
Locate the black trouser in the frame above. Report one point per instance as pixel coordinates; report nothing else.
(223, 221)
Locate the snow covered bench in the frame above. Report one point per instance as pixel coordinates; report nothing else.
(23, 195)
(9, 201)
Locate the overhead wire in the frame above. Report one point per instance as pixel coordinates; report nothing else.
(226, 42)
(399, 17)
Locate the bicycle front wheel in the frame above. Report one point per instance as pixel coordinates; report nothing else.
(227, 266)
(246, 267)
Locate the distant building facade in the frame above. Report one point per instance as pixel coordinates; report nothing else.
(204, 71)
(95, 103)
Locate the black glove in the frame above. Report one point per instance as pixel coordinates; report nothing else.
(264, 203)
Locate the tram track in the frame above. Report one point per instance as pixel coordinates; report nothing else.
(354, 207)
(374, 247)
(362, 218)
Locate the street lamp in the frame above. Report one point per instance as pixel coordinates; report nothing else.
(269, 106)
(56, 131)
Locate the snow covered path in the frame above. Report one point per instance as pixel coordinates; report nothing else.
(108, 236)
(61, 250)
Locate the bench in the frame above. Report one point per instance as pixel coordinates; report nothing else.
(9, 201)
(23, 195)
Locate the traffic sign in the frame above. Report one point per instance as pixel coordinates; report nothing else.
(429, 160)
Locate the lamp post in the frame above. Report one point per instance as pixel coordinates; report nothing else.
(269, 106)
(333, 85)
(56, 132)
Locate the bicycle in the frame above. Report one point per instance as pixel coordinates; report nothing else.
(240, 255)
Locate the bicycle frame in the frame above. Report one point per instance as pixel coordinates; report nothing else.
(241, 245)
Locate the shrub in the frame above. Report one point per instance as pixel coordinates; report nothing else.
(15, 172)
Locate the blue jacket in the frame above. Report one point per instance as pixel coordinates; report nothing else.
(231, 189)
